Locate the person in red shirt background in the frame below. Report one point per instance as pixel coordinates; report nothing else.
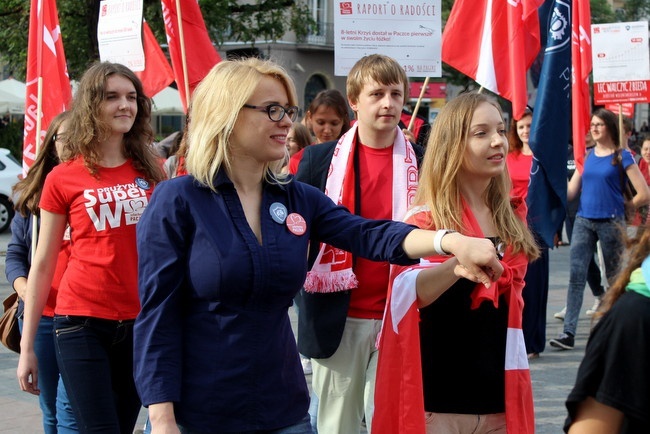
(535, 293)
(328, 119)
(298, 138)
(100, 191)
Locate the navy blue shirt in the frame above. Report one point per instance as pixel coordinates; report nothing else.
(19, 252)
(214, 335)
(19, 249)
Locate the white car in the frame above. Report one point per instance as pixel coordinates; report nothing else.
(10, 173)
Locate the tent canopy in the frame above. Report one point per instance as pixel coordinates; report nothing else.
(11, 104)
(13, 87)
(167, 101)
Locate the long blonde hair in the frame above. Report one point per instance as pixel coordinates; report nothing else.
(439, 187)
(215, 106)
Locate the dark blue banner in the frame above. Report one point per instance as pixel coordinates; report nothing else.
(551, 126)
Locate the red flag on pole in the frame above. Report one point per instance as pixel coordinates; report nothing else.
(45, 61)
(194, 59)
(494, 42)
(581, 65)
(157, 73)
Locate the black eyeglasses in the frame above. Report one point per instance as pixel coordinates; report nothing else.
(276, 112)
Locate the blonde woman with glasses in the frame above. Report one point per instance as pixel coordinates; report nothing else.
(223, 251)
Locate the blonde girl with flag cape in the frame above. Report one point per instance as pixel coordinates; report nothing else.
(452, 351)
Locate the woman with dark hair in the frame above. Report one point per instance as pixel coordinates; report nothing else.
(328, 116)
(601, 213)
(99, 192)
(612, 390)
(328, 119)
(298, 138)
(53, 399)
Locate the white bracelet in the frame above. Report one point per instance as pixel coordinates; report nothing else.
(437, 241)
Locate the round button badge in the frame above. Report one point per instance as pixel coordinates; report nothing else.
(296, 224)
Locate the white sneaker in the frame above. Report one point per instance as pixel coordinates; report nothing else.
(594, 308)
(306, 365)
(560, 315)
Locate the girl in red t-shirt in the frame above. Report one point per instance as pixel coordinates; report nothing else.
(100, 191)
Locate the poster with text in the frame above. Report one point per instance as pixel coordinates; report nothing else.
(621, 62)
(406, 30)
(119, 33)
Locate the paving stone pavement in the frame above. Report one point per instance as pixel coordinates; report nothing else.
(553, 373)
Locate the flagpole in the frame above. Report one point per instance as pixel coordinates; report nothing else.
(179, 16)
(621, 130)
(39, 109)
(417, 104)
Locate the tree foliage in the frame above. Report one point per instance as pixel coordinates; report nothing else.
(601, 12)
(226, 20)
(634, 10)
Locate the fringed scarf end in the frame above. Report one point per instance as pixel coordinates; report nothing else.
(329, 282)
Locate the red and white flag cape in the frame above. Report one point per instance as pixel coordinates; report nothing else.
(45, 60)
(581, 65)
(494, 42)
(399, 396)
(157, 73)
(200, 54)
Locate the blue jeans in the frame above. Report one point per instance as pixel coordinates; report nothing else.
(586, 232)
(302, 427)
(53, 399)
(96, 361)
(593, 272)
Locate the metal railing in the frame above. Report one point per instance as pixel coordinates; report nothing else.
(322, 35)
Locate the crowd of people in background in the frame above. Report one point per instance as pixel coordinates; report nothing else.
(356, 213)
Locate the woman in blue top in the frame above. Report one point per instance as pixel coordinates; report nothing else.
(223, 251)
(601, 214)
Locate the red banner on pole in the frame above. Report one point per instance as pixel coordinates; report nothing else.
(157, 74)
(494, 42)
(627, 108)
(45, 61)
(632, 91)
(581, 64)
(191, 39)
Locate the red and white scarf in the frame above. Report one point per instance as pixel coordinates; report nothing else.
(332, 270)
(399, 397)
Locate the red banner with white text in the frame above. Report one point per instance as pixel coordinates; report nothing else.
(45, 60)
